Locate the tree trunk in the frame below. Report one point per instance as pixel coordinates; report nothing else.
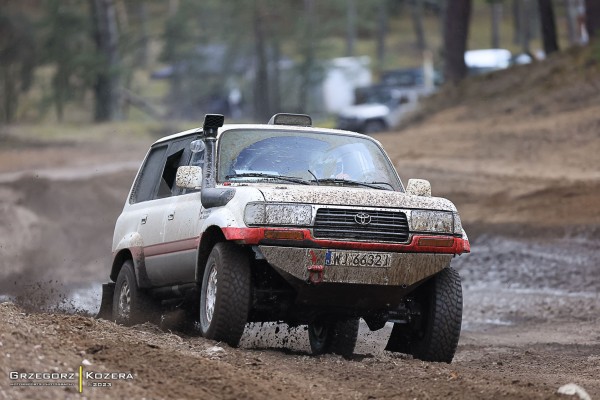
(106, 36)
(308, 50)
(261, 79)
(516, 15)
(592, 17)
(571, 17)
(275, 76)
(10, 92)
(144, 42)
(122, 15)
(350, 27)
(524, 26)
(458, 14)
(60, 87)
(417, 18)
(382, 29)
(173, 7)
(548, 26)
(496, 11)
(533, 13)
(442, 23)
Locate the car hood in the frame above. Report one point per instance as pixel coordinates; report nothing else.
(345, 196)
(365, 111)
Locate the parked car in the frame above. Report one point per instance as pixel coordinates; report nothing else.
(378, 108)
(287, 222)
(487, 60)
(413, 78)
(383, 106)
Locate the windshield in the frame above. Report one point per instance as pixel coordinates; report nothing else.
(378, 95)
(305, 158)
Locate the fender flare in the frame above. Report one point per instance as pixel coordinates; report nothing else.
(212, 233)
(130, 247)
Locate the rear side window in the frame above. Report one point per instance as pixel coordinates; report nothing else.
(146, 183)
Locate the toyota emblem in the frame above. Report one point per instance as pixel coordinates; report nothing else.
(362, 218)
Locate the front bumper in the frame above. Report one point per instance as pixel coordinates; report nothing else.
(418, 243)
(404, 269)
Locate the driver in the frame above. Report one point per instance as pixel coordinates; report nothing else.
(336, 164)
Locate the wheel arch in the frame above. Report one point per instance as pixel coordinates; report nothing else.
(136, 257)
(130, 247)
(210, 237)
(118, 261)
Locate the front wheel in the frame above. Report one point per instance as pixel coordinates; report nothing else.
(337, 337)
(435, 336)
(225, 294)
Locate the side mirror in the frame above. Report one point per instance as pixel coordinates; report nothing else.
(418, 187)
(189, 177)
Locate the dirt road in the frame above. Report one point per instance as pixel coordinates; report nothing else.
(528, 188)
(530, 325)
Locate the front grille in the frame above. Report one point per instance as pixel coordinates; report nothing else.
(384, 226)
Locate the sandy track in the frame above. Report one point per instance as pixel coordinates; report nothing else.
(530, 325)
(515, 362)
(529, 194)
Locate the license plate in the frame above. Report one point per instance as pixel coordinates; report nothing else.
(356, 259)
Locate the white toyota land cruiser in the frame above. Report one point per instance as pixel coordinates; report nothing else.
(287, 222)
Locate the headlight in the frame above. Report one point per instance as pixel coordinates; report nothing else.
(432, 221)
(457, 224)
(277, 214)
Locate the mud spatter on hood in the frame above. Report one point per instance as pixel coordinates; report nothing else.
(354, 197)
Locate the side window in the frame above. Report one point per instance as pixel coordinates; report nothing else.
(167, 181)
(179, 154)
(156, 180)
(145, 185)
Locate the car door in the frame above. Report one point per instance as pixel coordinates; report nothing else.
(147, 210)
(182, 225)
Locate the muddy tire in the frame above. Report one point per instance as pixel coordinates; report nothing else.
(225, 294)
(130, 304)
(435, 338)
(337, 337)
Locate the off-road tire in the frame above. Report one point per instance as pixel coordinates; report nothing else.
(141, 306)
(232, 297)
(374, 126)
(437, 337)
(337, 337)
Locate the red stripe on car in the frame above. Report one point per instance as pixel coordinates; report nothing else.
(254, 236)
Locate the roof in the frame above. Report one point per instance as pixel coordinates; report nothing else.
(227, 127)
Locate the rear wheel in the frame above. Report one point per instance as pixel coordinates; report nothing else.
(338, 336)
(434, 337)
(131, 305)
(225, 294)
(374, 126)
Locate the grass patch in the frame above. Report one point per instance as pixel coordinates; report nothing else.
(86, 132)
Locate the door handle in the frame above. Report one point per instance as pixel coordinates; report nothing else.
(171, 216)
(144, 219)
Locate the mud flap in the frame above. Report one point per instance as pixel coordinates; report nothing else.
(106, 304)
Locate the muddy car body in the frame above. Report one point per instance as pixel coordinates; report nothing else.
(286, 222)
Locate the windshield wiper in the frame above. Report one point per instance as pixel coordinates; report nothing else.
(293, 179)
(383, 183)
(373, 185)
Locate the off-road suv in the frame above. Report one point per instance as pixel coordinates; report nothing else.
(287, 222)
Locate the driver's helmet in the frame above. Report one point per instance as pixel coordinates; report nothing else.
(347, 160)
